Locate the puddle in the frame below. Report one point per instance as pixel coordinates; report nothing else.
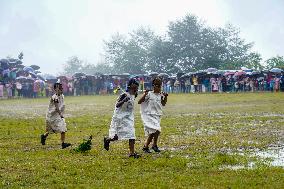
(250, 165)
(276, 154)
(179, 148)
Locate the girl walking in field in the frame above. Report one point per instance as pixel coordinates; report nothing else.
(151, 112)
(122, 124)
(55, 122)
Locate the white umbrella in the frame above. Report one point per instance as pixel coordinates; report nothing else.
(276, 70)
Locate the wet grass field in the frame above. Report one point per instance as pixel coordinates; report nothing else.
(207, 141)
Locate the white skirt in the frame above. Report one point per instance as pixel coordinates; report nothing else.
(123, 128)
(152, 123)
(57, 125)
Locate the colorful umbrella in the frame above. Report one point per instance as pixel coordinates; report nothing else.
(240, 73)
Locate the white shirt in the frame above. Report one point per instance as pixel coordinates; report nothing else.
(152, 104)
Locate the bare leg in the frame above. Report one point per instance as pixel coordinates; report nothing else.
(149, 140)
(131, 146)
(62, 137)
(156, 135)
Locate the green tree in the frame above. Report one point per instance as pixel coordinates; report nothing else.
(73, 65)
(254, 61)
(130, 55)
(275, 62)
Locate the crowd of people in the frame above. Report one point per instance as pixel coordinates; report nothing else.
(110, 84)
(18, 81)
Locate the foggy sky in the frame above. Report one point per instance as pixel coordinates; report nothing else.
(50, 31)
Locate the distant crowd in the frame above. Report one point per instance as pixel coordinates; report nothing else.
(200, 82)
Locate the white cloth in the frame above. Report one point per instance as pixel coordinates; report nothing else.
(54, 123)
(122, 123)
(151, 112)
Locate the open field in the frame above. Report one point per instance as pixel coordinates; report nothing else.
(208, 141)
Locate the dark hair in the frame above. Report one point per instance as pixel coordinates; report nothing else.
(132, 81)
(56, 84)
(156, 78)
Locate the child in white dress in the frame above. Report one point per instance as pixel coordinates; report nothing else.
(55, 122)
(122, 123)
(151, 112)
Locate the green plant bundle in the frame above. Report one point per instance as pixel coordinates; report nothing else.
(85, 146)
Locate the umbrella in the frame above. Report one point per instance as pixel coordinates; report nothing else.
(15, 61)
(40, 77)
(19, 62)
(21, 78)
(211, 70)
(240, 73)
(165, 75)
(173, 77)
(62, 78)
(19, 66)
(90, 76)
(246, 69)
(78, 74)
(28, 69)
(186, 75)
(255, 73)
(154, 74)
(20, 72)
(276, 70)
(200, 72)
(33, 75)
(229, 73)
(4, 64)
(50, 77)
(126, 74)
(41, 82)
(35, 67)
(30, 79)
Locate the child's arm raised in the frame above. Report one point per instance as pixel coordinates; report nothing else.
(142, 99)
(123, 98)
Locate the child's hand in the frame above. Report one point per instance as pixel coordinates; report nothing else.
(126, 99)
(165, 94)
(146, 92)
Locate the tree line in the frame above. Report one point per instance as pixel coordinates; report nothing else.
(189, 45)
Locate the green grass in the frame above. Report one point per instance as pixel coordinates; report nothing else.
(203, 135)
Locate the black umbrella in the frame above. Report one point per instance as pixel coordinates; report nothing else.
(19, 66)
(15, 61)
(40, 77)
(78, 74)
(4, 64)
(21, 78)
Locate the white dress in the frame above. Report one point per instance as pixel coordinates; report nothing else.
(122, 123)
(54, 123)
(151, 112)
